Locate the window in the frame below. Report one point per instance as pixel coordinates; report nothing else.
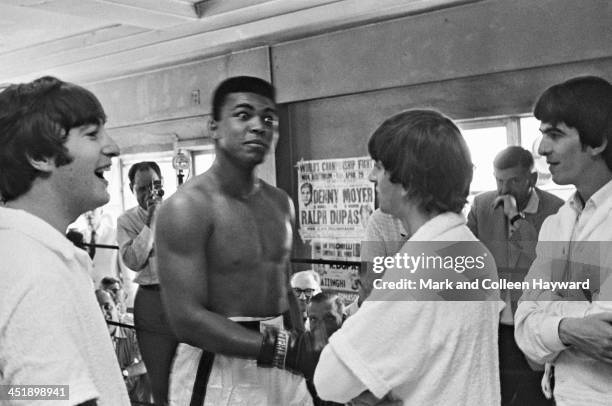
(202, 161)
(486, 137)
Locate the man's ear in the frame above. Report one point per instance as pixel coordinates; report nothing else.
(212, 127)
(533, 178)
(44, 164)
(600, 149)
(131, 187)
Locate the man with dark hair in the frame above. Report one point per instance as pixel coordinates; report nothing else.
(54, 151)
(111, 285)
(326, 311)
(223, 242)
(136, 247)
(570, 326)
(415, 346)
(508, 221)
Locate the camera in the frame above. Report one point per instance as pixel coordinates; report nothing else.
(157, 190)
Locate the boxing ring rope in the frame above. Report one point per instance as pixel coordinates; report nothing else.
(293, 260)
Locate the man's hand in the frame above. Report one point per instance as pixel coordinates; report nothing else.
(368, 399)
(153, 203)
(591, 335)
(508, 202)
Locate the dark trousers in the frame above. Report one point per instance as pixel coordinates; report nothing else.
(520, 385)
(155, 338)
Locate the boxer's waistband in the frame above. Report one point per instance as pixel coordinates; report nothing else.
(251, 325)
(255, 323)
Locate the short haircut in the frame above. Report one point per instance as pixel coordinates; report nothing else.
(35, 119)
(333, 298)
(424, 151)
(143, 166)
(583, 103)
(240, 84)
(514, 156)
(108, 281)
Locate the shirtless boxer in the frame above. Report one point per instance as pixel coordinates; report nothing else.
(223, 246)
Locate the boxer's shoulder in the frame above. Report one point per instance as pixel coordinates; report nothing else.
(279, 196)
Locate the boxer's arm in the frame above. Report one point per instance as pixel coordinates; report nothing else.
(182, 232)
(297, 323)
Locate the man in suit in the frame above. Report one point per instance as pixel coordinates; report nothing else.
(508, 221)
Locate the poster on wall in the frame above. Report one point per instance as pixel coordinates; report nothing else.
(338, 278)
(335, 197)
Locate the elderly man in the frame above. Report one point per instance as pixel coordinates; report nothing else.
(570, 325)
(305, 285)
(508, 221)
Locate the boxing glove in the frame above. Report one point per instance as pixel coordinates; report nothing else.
(293, 351)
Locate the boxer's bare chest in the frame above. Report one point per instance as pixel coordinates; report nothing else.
(247, 252)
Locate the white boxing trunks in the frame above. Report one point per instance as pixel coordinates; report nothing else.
(200, 378)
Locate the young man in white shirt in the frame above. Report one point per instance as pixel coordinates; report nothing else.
(571, 326)
(414, 346)
(53, 154)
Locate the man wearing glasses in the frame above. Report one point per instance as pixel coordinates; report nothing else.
(305, 285)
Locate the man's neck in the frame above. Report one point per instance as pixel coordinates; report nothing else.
(234, 179)
(520, 206)
(44, 207)
(592, 182)
(413, 219)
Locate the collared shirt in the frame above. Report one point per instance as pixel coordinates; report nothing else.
(51, 328)
(579, 379)
(532, 207)
(507, 314)
(135, 240)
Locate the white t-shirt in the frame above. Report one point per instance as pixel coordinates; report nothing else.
(52, 331)
(422, 352)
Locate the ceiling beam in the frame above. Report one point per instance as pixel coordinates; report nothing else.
(110, 12)
(182, 8)
(271, 22)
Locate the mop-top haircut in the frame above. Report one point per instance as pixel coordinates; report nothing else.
(583, 103)
(35, 119)
(425, 152)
